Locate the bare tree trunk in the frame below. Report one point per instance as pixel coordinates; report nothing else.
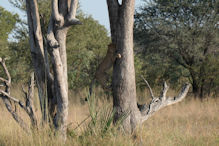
(62, 17)
(124, 87)
(37, 52)
(196, 84)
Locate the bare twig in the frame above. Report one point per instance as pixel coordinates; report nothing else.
(29, 102)
(16, 117)
(2, 61)
(3, 80)
(9, 96)
(79, 123)
(149, 87)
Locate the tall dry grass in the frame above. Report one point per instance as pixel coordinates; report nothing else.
(191, 122)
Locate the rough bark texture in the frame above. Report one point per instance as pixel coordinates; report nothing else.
(62, 17)
(124, 87)
(37, 52)
(121, 17)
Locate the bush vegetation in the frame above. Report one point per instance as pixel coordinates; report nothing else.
(191, 122)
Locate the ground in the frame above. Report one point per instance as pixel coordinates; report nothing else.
(191, 122)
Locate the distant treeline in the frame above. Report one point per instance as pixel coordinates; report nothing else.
(176, 41)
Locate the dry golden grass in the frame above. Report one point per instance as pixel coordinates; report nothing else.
(191, 122)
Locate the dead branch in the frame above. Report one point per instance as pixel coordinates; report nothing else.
(158, 103)
(8, 100)
(29, 107)
(2, 79)
(164, 91)
(10, 97)
(149, 87)
(15, 115)
(5, 95)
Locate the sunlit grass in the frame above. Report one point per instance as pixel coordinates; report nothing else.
(191, 122)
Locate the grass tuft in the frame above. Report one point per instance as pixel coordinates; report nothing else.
(191, 122)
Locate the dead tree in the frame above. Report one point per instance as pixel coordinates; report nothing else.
(62, 17)
(121, 15)
(162, 101)
(11, 102)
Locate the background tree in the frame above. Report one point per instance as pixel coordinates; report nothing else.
(86, 51)
(83, 52)
(9, 25)
(7, 22)
(55, 85)
(182, 36)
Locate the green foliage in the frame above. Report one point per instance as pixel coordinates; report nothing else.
(20, 64)
(181, 37)
(101, 123)
(7, 23)
(86, 47)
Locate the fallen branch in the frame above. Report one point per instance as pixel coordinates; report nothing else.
(162, 101)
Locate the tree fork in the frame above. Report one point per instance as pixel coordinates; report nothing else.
(62, 17)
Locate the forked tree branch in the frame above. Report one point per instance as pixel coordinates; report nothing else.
(56, 17)
(55, 12)
(53, 43)
(15, 116)
(29, 107)
(163, 101)
(5, 95)
(8, 100)
(10, 97)
(3, 80)
(8, 81)
(72, 20)
(164, 91)
(73, 8)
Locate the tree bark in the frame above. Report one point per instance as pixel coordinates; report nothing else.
(123, 83)
(121, 17)
(197, 84)
(62, 17)
(37, 52)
